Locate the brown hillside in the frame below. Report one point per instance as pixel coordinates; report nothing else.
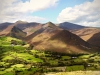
(29, 28)
(95, 39)
(13, 31)
(48, 26)
(86, 33)
(91, 35)
(56, 39)
(7, 30)
(4, 25)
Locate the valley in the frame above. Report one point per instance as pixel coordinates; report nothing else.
(50, 37)
(40, 49)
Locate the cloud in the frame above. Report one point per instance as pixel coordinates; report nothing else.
(12, 10)
(24, 18)
(87, 14)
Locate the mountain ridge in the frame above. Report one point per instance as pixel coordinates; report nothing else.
(49, 36)
(60, 40)
(70, 26)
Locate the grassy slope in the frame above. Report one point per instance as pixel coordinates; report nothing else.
(14, 57)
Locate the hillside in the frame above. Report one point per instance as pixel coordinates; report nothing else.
(70, 26)
(26, 27)
(29, 28)
(17, 33)
(53, 38)
(4, 25)
(90, 35)
(95, 39)
(13, 32)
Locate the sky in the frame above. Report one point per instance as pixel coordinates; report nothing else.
(82, 12)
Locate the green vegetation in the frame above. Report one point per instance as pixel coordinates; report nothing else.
(75, 68)
(18, 58)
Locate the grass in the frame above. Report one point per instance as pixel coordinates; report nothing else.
(78, 60)
(86, 56)
(66, 57)
(28, 57)
(18, 65)
(9, 73)
(9, 69)
(53, 62)
(2, 72)
(7, 40)
(75, 68)
(7, 58)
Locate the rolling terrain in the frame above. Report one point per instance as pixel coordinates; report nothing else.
(70, 26)
(13, 31)
(50, 34)
(4, 25)
(29, 28)
(26, 27)
(39, 49)
(53, 38)
(91, 35)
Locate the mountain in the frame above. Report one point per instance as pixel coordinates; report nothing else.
(6, 31)
(17, 33)
(29, 28)
(4, 25)
(70, 26)
(53, 38)
(13, 31)
(21, 29)
(91, 35)
(49, 24)
(95, 39)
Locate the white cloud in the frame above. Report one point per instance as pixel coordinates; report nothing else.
(12, 10)
(87, 14)
(24, 18)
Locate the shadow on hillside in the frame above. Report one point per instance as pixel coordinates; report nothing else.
(95, 39)
(34, 34)
(72, 40)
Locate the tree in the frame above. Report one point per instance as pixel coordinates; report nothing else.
(14, 42)
(31, 47)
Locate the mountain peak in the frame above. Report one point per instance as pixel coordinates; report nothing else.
(20, 22)
(50, 24)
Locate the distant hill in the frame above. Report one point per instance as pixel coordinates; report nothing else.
(70, 26)
(53, 38)
(4, 25)
(29, 28)
(91, 35)
(30, 32)
(17, 33)
(13, 31)
(49, 24)
(95, 39)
